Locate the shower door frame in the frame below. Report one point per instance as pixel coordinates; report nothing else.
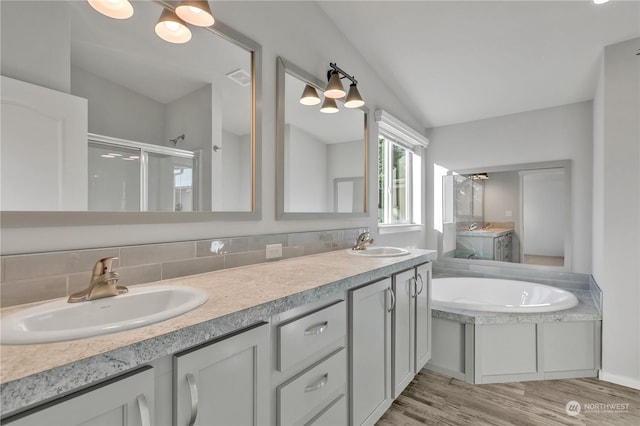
(145, 150)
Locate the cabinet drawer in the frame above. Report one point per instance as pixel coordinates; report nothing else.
(307, 392)
(333, 415)
(303, 337)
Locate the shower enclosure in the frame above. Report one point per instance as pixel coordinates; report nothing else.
(134, 176)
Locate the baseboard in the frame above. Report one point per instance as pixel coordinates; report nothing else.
(619, 380)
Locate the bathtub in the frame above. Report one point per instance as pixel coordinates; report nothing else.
(498, 295)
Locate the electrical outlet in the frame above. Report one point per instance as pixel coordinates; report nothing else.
(508, 213)
(274, 251)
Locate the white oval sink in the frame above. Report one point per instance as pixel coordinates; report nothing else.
(58, 320)
(379, 252)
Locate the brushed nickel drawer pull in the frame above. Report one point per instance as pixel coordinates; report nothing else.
(193, 393)
(145, 416)
(393, 300)
(316, 329)
(421, 283)
(318, 385)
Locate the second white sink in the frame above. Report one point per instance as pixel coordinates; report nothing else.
(379, 252)
(58, 320)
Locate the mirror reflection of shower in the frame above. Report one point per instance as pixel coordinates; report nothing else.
(133, 176)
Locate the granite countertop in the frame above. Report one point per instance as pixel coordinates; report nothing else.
(586, 310)
(238, 298)
(493, 232)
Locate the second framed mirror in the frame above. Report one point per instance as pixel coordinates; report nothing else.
(321, 157)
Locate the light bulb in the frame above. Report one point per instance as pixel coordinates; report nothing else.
(195, 12)
(171, 28)
(116, 9)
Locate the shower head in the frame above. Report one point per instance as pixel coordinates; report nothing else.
(174, 142)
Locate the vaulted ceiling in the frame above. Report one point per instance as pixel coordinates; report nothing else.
(458, 61)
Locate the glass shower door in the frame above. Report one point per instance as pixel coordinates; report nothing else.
(114, 178)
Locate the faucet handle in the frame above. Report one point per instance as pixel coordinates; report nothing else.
(103, 265)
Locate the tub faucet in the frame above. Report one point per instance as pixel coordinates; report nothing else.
(363, 239)
(103, 283)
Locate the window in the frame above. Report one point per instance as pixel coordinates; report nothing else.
(399, 172)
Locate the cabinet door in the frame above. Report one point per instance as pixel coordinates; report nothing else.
(370, 360)
(423, 316)
(403, 325)
(224, 382)
(126, 400)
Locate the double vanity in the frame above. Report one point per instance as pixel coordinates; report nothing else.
(331, 338)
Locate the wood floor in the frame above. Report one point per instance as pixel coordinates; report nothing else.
(531, 259)
(434, 399)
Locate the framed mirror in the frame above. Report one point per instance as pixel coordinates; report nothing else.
(321, 158)
(155, 131)
(519, 214)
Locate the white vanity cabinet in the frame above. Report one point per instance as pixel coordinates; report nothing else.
(411, 320)
(370, 346)
(225, 382)
(309, 375)
(126, 400)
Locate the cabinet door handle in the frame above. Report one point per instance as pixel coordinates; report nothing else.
(421, 284)
(145, 415)
(193, 394)
(316, 329)
(318, 385)
(393, 299)
(413, 287)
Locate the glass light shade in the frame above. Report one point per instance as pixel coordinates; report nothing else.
(171, 28)
(334, 87)
(354, 100)
(329, 106)
(117, 9)
(309, 96)
(600, 1)
(195, 12)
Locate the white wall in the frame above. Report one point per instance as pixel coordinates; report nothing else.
(616, 206)
(47, 32)
(271, 24)
(142, 119)
(344, 161)
(305, 185)
(543, 221)
(558, 133)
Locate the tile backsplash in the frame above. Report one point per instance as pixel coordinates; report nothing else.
(34, 277)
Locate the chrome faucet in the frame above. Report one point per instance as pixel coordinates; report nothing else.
(103, 283)
(363, 239)
(472, 227)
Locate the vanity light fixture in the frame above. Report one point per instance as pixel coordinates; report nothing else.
(116, 9)
(195, 12)
(171, 28)
(333, 91)
(309, 96)
(600, 1)
(479, 176)
(329, 106)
